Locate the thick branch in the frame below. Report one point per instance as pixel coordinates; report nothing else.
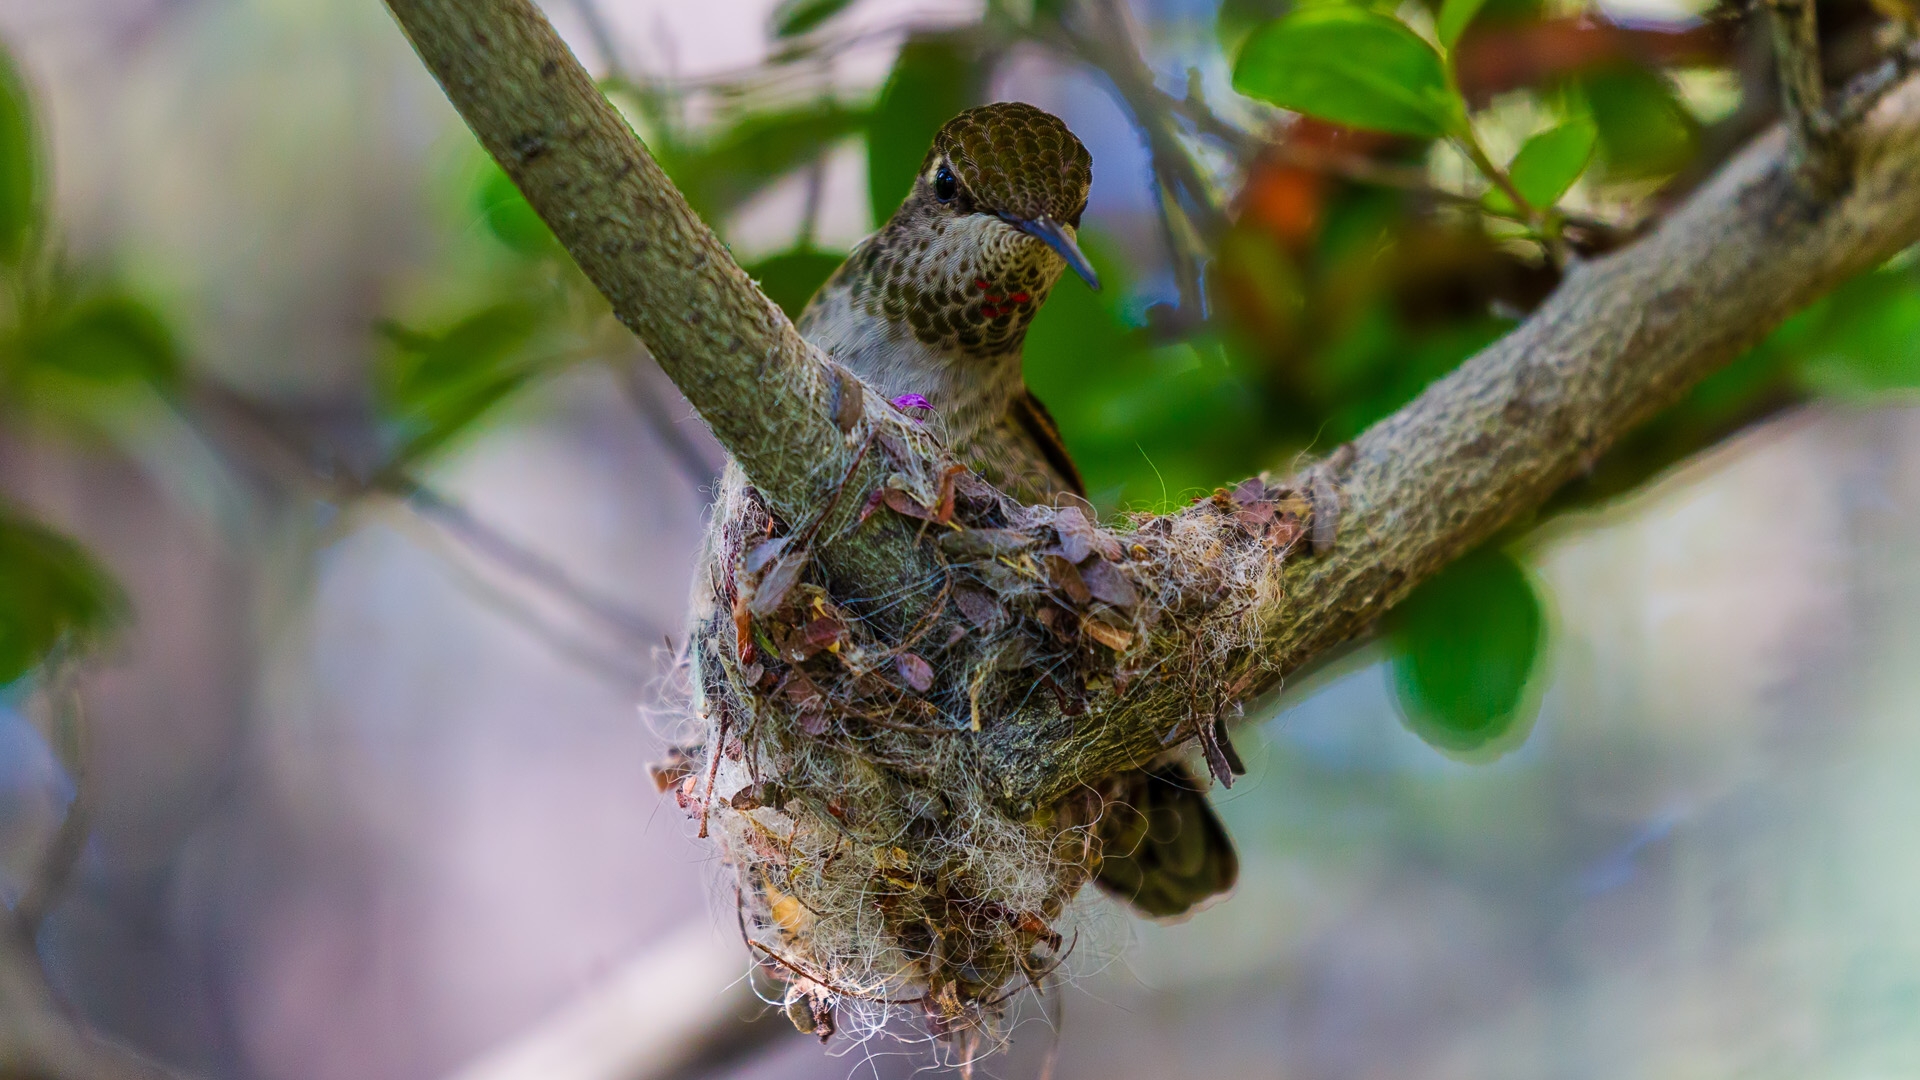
(1624, 337)
(764, 392)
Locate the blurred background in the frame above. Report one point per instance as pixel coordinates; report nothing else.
(344, 539)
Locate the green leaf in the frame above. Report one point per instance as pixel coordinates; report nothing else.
(438, 385)
(1644, 129)
(19, 163)
(934, 78)
(792, 277)
(1144, 422)
(51, 594)
(1352, 67)
(733, 166)
(1549, 163)
(1866, 338)
(1453, 20)
(108, 338)
(795, 17)
(510, 217)
(1465, 645)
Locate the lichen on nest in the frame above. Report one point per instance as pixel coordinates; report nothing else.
(881, 861)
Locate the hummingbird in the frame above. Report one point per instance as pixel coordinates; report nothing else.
(937, 304)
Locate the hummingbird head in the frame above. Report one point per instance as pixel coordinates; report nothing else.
(987, 230)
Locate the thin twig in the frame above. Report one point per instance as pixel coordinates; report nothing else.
(613, 666)
(68, 727)
(602, 34)
(1110, 44)
(41, 1037)
(1867, 90)
(274, 446)
(490, 543)
(647, 400)
(1796, 48)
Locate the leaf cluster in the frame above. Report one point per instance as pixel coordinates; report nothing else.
(72, 345)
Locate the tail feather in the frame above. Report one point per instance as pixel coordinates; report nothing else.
(1162, 849)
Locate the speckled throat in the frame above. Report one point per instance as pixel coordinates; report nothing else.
(937, 306)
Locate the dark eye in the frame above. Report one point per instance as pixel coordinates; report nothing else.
(945, 185)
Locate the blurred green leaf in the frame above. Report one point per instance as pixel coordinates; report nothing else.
(1352, 67)
(510, 217)
(730, 168)
(1144, 422)
(1864, 339)
(792, 277)
(1643, 128)
(438, 385)
(107, 338)
(795, 17)
(1549, 163)
(1075, 333)
(934, 78)
(19, 163)
(51, 592)
(1052, 10)
(1453, 19)
(1465, 643)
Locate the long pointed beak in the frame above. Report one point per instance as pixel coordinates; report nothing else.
(1060, 238)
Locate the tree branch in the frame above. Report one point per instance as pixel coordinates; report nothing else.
(1796, 48)
(1623, 337)
(41, 1037)
(768, 396)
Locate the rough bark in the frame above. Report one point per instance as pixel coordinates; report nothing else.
(1623, 337)
(767, 395)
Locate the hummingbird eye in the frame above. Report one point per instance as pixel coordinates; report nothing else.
(945, 184)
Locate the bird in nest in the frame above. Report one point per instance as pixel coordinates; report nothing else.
(934, 308)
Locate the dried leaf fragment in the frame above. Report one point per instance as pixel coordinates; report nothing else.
(984, 543)
(1110, 584)
(779, 579)
(1076, 533)
(1326, 513)
(914, 671)
(763, 553)
(897, 495)
(1066, 577)
(1223, 761)
(670, 770)
(1111, 636)
(979, 607)
(849, 400)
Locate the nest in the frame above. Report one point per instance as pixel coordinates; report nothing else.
(881, 865)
